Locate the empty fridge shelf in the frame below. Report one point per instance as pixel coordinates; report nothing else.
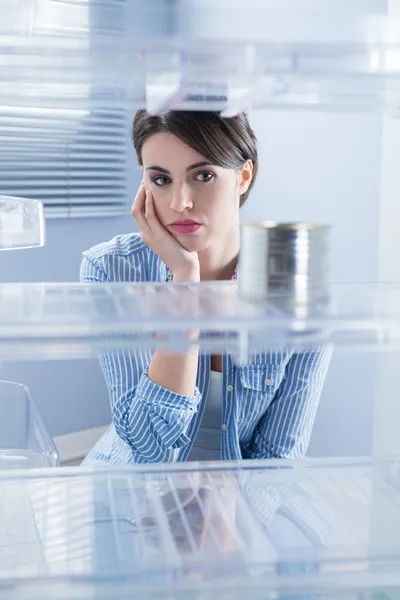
(228, 530)
(80, 320)
(198, 55)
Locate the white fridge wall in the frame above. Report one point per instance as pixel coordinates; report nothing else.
(387, 404)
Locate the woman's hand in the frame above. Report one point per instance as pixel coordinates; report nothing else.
(184, 265)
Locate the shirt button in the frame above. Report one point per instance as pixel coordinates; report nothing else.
(268, 382)
(229, 388)
(224, 427)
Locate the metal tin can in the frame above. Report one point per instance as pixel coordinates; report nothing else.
(286, 262)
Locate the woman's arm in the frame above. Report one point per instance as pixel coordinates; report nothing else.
(149, 417)
(175, 372)
(284, 430)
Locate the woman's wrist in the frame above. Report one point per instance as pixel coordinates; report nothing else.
(186, 275)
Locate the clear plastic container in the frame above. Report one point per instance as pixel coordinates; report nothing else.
(25, 442)
(198, 55)
(316, 530)
(22, 223)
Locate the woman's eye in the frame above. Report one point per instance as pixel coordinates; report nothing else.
(160, 181)
(205, 176)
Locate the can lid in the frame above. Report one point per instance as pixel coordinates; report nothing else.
(282, 225)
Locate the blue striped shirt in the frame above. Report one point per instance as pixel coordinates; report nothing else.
(268, 406)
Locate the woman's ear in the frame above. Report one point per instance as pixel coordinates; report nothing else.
(246, 175)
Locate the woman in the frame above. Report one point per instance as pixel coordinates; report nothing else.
(198, 170)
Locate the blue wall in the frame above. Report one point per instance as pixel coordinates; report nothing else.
(326, 168)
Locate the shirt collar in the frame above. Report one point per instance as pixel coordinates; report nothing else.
(168, 276)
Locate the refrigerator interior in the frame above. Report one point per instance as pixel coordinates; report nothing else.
(321, 528)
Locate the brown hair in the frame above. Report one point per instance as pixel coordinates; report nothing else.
(224, 142)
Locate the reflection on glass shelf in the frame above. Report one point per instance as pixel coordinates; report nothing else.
(198, 54)
(266, 529)
(21, 223)
(78, 320)
(25, 459)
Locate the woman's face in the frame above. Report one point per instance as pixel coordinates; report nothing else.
(197, 202)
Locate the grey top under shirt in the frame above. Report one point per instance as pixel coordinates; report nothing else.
(207, 445)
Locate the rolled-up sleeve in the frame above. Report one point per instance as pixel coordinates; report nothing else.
(152, 420)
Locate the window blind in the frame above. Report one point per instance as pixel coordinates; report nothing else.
(73, 160)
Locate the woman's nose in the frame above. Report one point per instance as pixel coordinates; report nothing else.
(181, 199)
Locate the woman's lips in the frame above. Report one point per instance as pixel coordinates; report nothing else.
(185, 226)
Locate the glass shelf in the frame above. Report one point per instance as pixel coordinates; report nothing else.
(197, 54)
(80, 320)
(22, 223)
(260, 529)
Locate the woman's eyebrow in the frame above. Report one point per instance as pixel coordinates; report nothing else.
(156, 168)
(203, 163)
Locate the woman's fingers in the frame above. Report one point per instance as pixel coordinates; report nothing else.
(139, 209)
(139, 199)
(151, 215)
(144, 212)
(149, 225)
(150, 211)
